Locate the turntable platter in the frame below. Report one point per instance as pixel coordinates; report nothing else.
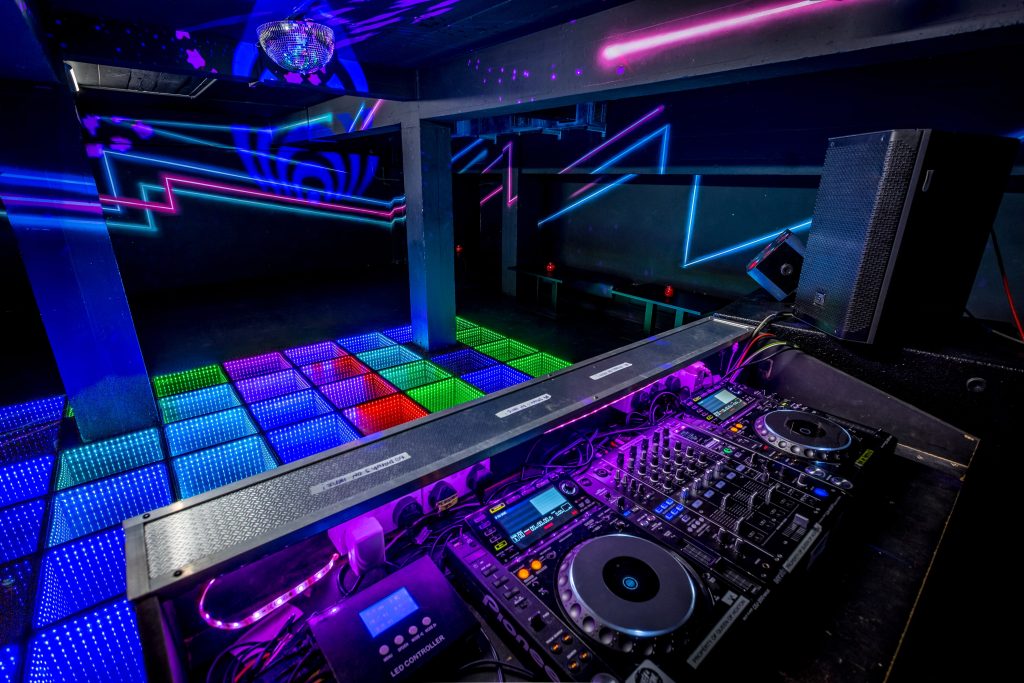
(620, 588)
(802, 433)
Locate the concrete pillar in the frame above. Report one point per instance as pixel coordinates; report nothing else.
(426, 163)
(53, 206)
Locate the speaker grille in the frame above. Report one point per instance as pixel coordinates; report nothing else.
(857, 213)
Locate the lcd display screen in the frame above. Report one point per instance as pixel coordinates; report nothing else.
(530, 520)
(722, 404)
(385, 613)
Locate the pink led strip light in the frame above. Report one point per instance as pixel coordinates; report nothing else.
(170, 181)
(280, 600)
(663, 39)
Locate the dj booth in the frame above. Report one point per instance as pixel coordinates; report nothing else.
(661, 512)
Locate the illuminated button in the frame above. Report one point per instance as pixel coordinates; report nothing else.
(523, 573)
(399, 639)
(413, 630)
(383, 650)
(536, 565)
(574, 665)
(556, 647)
(584, 656)
(425, 621)
(733, 429)
(566, 638)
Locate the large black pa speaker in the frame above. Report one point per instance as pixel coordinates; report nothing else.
(900, 223)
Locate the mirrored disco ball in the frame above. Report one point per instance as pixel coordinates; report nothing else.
(297, 45)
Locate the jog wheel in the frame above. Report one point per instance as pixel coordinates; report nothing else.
(624, 591)
(803, 434)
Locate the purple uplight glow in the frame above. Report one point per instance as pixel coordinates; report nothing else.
(661, 39)
(268, 608)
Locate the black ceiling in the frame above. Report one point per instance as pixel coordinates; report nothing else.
(401, 33)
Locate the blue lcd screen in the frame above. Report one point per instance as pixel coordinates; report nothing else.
(383, 614)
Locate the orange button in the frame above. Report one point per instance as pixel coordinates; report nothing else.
(536, 565)
(584, 656)
(556, 648)
(573, 665)
(566, 638)
(523, 573)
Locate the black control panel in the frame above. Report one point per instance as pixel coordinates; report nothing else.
(641, 562)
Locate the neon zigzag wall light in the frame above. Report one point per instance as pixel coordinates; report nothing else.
(663, 133)
(330, 210)
(170, 206)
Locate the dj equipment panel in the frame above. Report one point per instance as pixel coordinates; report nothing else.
(647, 558)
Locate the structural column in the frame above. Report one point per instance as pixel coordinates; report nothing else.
(510, 233)
(426, 163)
(52, 203)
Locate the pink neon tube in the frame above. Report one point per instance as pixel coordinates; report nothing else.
(663, 39)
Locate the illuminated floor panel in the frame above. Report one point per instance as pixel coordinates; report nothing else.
(444, 394)
(198, 402)
(387, 357)
(31, 413)
(188, 380)
(506, 350)
(478, 336)
(10, 660)
(314, 353)
(538, 364)
(413, 375)
(285, 410)
(463, 361)
(208, 430)
(496, 378)
(314, 436)
(81, 574)
(335, 370)
(254, 366)
(28, 443)
(102, 504)
(384, 413)
(357, 390)
(361, 343)
(25, 479)
(271, 386)
(19, 528)
(101, 459)
(221, 465)
(400, 335)
(102, 645)
(15, 598)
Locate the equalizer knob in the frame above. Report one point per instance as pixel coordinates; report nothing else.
(680, 476)
(689, 451)
(620, 458)
(654, 475)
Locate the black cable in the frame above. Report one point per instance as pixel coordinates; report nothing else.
(511, 668)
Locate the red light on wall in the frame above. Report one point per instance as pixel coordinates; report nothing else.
(550, 267)
(458, 248)
(669, 291)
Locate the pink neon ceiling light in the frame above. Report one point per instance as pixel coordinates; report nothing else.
(663, 39)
